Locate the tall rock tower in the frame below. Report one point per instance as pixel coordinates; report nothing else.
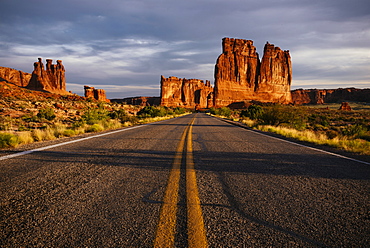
(240, 76)
(52, 79)
(275, 75)
(236, 72)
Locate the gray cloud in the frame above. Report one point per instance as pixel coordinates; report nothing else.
(125, 45)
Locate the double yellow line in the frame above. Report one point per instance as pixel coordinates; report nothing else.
(166, 229)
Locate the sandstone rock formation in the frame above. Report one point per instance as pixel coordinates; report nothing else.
(139, 100)
(320, 96)
(97, 94)
(189, 93)
(51, 80)
(345, 106)
(240, 76)
(275, 75)
(14, 76)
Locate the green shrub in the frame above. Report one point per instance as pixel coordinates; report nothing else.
(95, 128)
(151, 111)
(253, 112)
(278, 114)
(30, 118)
(78, 123)
(179, 111)
(118, 114)
(355, 130)
(69, 133)
(130, 118)
(8, 140)
(94, 116)
(46, 113)
(224, 111)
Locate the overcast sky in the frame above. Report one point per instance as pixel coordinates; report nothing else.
(124, 46)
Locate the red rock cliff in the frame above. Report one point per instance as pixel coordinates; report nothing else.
(97, 94)
(236, 72)
(14, 76)
(52, 79)
(275, 75)
(240, 76)
(321, 96)
(189, 93)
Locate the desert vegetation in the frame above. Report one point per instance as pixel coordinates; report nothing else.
(27, 117)
(320, 124)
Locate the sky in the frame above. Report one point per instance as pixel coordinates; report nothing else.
(124, 46)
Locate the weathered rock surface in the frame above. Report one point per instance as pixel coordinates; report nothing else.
(275, 75)
(139, 100)
(97, 94)
(52, 79)
(189, 93)
(14, 76)
(345, 106)
(236, 72)
(240, 76)
(321, 96)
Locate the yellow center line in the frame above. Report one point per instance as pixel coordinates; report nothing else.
(165, 235)
(166, 229)
(196, 231)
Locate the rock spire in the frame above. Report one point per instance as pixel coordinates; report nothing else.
(50, 79)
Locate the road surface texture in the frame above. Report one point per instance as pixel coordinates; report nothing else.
(193, 181)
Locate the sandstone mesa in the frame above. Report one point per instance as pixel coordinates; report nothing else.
(97, 94)
(49, 78)
(239, 77)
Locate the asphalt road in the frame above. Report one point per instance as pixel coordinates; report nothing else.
(250, 190)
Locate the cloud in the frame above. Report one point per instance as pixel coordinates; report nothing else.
(130, 43)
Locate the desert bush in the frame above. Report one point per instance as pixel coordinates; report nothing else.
(25, 137)
(43, 134)
(253, 112)
(179, 111)
(78, 124)
(356, 130)
(223, 111)
(94, 128)
(248, 122)
(30, 118)
(277, 115)
(94, 116)
(46, 113)
(151, 111)
(117, 114)
(5, 123)
(8, 140)
(59, 129)
(332, 134)
(130, 118)
(69, 133)
(319, 119)
(111, 124)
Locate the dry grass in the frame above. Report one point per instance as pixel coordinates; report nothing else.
(352, 145)
(25, 137)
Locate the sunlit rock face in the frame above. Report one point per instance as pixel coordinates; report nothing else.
(241, 76)
(50, 78)
(97, 94)
(321, 96)
(14, 76)
(188, 93)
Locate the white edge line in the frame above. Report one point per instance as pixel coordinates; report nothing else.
(70, 142)
(312, 148)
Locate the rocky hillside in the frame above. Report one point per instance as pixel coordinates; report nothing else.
(19, 107)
